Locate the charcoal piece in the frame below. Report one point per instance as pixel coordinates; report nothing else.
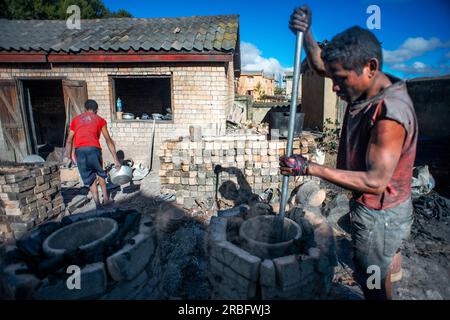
(82, 216)
(31, 244)
(50, 266)
(130, 222)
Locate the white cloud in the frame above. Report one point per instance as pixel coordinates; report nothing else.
(413, 47)
(252, 60)
(416, 68)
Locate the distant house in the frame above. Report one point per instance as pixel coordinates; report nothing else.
(250, 81)
(287, 84)
(181, 70)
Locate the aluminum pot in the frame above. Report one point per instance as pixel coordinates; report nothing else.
(128, 116)
(121, 176)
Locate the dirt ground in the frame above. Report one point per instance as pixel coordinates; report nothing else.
(425, 256)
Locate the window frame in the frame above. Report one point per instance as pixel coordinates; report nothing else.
(112, 89)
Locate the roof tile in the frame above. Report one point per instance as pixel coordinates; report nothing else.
(199, 33)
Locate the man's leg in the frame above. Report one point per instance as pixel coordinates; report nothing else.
(368, 243)
(106, 199)
(396, 267)
(387, 286)
(95, 162)
(383, 233)
(94, 190)
(86, 172)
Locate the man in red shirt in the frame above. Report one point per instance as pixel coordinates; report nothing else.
(376, 151)
(85, 130)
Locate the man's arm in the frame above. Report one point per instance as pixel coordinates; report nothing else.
(382, 156)
(111, 145)
(301, 20)
(69, 141)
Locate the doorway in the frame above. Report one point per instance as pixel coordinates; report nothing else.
(45, 115)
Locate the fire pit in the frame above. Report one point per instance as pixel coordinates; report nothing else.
(258, 237)
(86, 235)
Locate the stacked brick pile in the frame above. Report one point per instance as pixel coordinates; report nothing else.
(28, 196)
(187, 168)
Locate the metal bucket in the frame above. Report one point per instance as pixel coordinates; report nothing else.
(279, 119)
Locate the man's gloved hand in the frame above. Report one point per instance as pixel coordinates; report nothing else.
(295, 165)
(301, 19)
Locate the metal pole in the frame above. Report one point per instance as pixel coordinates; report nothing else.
(293, 111)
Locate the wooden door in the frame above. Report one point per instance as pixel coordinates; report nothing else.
(13, 127)
(75, 94)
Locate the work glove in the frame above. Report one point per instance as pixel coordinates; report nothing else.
(295, 165)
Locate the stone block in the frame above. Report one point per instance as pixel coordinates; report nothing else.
(22, 226)
(267, 273)
(125, 290)
(128, 262)
(287, 269)
(217, 229)
(18, 286)
(41, 188)
(306, 266)
(92, 285)
(239, 260)
(13, 211)
(228, 284)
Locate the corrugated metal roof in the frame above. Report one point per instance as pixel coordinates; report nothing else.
(202, 33)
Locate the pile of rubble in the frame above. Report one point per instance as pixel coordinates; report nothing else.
(156, 255)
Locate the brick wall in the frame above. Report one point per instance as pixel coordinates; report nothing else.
(187, 168)
(201, 94)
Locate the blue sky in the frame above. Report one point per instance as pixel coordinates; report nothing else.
(415, 34)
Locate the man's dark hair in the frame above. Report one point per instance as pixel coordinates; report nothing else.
(353, 48)
(91, 105)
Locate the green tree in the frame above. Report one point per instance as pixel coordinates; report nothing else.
(56, 9)
(279, 91)
(259, 91)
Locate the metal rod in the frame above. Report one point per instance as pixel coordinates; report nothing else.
(33, 127)
(293, 111)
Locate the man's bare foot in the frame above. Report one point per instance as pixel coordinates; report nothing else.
(108, 202)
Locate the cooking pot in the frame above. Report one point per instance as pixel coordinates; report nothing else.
(121, 176)
(128, 116)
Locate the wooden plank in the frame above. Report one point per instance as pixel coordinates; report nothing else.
(8, 106)
(22, 57)
(75, 93)
(12, 142)
(12, 121)
(111, 58)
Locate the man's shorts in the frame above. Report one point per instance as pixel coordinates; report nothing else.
(377, 235)
(89, 162)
